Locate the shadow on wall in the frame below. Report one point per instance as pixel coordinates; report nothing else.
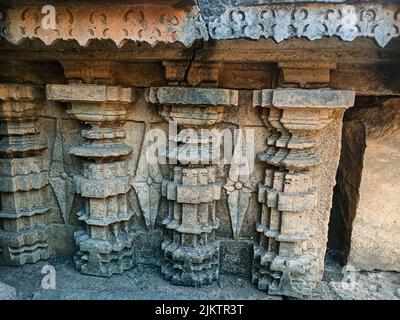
(346, 191)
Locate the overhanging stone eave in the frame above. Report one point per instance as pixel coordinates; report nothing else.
(168, 23)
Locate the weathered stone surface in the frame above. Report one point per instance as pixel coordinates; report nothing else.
(192, 252)
(194, 96)
(302, 158)
(105, 245)
(190, 216)
(147, 184)
(374, 233)
(298, 98)
(7, 292)
(89, 92)
(239, 186)
(305, 74)
(222, 20)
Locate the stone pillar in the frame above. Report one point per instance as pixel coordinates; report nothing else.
(192, 252)
(23, 213)
(106, 242)
(296, 197)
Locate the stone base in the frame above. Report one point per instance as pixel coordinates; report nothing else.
(99, 260)
(188, 266)
(24, 247)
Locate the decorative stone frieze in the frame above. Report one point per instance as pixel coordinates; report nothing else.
(296, 196)
(120, 23)
(24, 175)
(284, 21)
(189, 22)
(105, 245)
(302, 74)
(192, 252)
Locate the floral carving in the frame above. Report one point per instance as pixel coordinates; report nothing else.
(147, 184)
(139, 23)
(283, 22)
(238, 186)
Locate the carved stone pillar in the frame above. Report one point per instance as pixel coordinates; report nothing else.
(23, 213)
(192, 252)
(106, 242)
(296, 197)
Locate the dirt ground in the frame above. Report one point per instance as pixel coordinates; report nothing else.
(145, 282)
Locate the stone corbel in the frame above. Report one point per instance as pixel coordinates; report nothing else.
(305, 74)
(176, 70)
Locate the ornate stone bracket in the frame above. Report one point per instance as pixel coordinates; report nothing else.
(238, 185)
(106, 243)
(192, 252)
(23, 213)
(302, 158)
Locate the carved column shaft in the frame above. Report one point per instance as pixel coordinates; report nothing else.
(192, 252)
(296, 196)
(23, 229)
(106, 241)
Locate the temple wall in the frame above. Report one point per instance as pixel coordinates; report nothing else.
(313, 84)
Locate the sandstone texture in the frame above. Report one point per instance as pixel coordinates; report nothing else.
(200, 144)
(376, 232)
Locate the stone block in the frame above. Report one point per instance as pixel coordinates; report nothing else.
(313, 98)
(89, 92)
(194, 96)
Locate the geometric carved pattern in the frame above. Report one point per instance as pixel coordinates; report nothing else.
(23, 229)
(191, 253)
(284, 262)
(313, 22)
(106, 241)
(147, 184)
(221, 21)
(118, 23)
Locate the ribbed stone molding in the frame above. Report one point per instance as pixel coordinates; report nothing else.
(203, 19)
(23, 213)
(191, 252)
(106, 242)
(296, 196)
